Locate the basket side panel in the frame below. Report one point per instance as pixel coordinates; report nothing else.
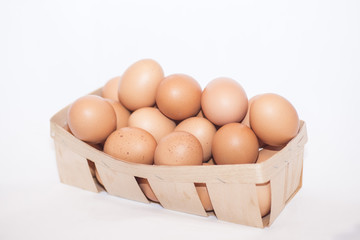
(178, 196)
(236, 202)
(277, 185)
(294, 170)
(74, 169)
(119, 184)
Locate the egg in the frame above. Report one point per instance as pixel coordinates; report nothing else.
(98, 177)
(146, 188)
(274, 119)
(153, 121)
(178, 148)
(91, 118)
(234, 143)
(246, 120)
(178, 96)
(202, 129)
(132, 145)
(122, 114)
(139, 84)
(264, 190)
(203, 193)
(224, 101)
(110, 89)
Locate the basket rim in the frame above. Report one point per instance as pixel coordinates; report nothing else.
(231, 173)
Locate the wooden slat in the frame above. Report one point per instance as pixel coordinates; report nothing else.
(235, 202)
(277, 185)
(178, 196)
(119, 184)
(74, 169)
(293, 174)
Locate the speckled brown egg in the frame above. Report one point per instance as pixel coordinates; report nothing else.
(178, 96)
(91, 118)
(224, 101)
(235, 143)
(153, 121)
(274, 119)
(139, 84)
(178, 148)
(132, 145)
(110, 89)
(202, 129)
(122, 114)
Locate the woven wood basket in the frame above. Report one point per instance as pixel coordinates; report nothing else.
(232, 188)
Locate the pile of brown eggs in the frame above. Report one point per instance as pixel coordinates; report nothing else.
(144, 117)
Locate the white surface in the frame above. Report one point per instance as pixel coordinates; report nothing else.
(52, 52)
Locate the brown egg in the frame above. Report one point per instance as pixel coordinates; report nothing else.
(265, 154)
(210, 162)
(110, 89)
(202, 129)
(203, 192)
(153, 121)
(200, 114)
(224, 101)
(235, 143)
(264, 190)
(274, 119)
(139, 84)
(132, 145)
(246, 120)
(178, 96)
(122, 114)
(91, 167)
(91, 118)
(98, 177)
(178, 148)
(145, 187)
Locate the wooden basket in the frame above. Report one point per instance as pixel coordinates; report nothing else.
(232, 188)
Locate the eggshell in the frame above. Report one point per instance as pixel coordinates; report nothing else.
(132, 145)
(235, 143)
(274, 119)
(203, 192)
(178, 148)
(98, 177)
(146, 188)
(264, 190)
(110, 89)
(178, 96)
(202, 129)
(91, 118)
(122, 114)
(91, 167)
(139, 83)
(246, 120)
(224, 101)
(153, 121)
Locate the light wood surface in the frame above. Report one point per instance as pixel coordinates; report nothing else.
(235, 202)
(121, 185)
(178, 196)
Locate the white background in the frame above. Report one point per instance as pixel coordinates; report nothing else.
(52, 52)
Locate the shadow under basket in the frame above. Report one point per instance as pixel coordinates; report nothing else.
(231, 188)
